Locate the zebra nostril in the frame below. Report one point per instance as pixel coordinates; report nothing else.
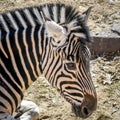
(85, 111)
(81, 111)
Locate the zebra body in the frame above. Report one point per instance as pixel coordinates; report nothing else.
(50, 40)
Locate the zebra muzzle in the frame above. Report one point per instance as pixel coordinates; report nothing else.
(81, 111)
(84, 110)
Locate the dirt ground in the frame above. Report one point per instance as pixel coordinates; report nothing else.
(105, 73)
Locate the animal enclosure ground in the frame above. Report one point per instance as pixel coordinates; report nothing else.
(105, 73)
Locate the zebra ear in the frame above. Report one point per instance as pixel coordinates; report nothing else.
(55, 30)
(86, 14)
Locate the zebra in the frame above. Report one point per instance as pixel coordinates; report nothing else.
(50, 40)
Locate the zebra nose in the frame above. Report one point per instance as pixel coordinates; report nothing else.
(81, 111)
(85, 109)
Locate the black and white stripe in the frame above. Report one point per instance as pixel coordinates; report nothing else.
(27, 51)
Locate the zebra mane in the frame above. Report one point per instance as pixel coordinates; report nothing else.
(59, 13)
(68, 15)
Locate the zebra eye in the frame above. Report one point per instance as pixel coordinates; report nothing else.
(71, 66)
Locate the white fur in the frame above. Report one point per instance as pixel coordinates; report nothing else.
(55, 30)
(28, 111)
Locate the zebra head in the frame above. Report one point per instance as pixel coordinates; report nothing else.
(67, 62)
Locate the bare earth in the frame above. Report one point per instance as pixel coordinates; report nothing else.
(105, 73)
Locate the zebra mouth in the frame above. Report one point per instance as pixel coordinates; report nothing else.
(75, 109)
